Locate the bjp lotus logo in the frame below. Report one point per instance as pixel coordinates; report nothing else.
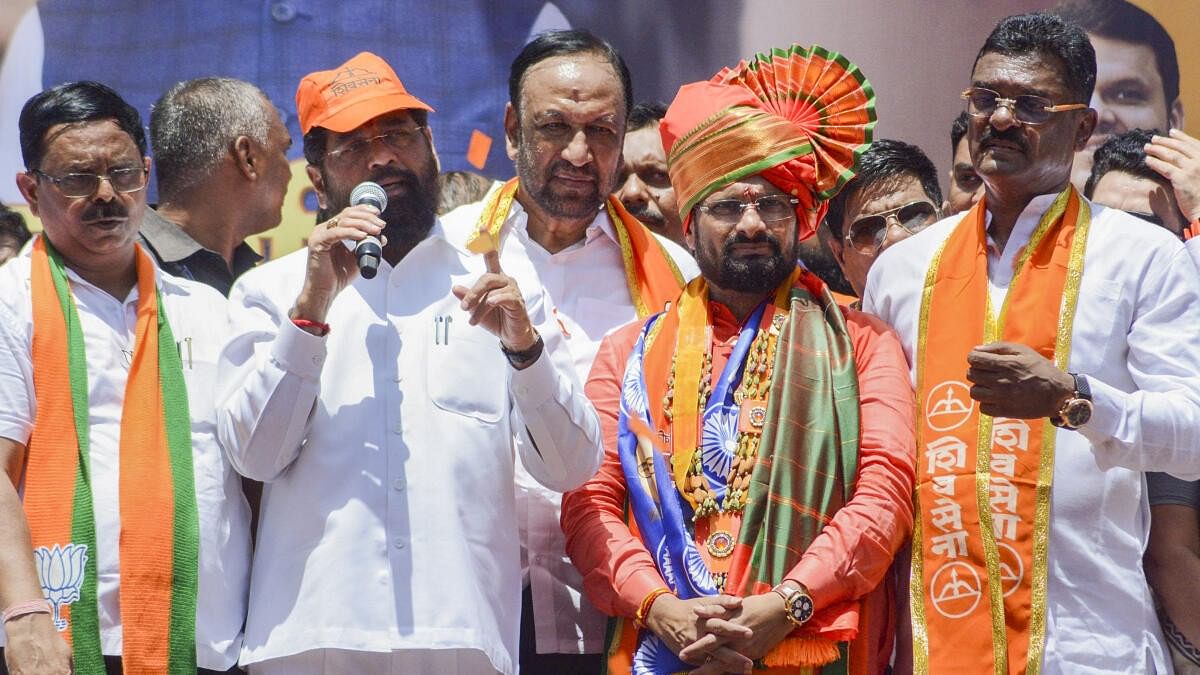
(61, 572)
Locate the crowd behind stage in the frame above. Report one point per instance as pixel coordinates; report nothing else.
(724, 385)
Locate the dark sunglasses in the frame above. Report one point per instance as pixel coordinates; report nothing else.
(866, 234)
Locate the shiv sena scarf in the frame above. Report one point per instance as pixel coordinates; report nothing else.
(983, 484)
(651, 275)
(159, 540)
(805, 471)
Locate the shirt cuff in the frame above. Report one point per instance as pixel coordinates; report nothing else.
(535, 384)
(636, 588)
(299, 352)
(1108, 409)
(815, 576)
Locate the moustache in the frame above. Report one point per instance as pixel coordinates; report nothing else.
(395, 175)
(764, 238)
(646, 212)
(105, 211)
(1010, 135)
(565, 168)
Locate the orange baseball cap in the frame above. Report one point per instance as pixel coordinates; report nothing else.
(357, 91)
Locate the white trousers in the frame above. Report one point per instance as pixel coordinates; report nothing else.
(406, 662)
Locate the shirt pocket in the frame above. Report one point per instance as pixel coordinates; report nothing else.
(469, 375)
(1102, 320)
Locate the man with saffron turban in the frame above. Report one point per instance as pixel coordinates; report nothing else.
(758, 437)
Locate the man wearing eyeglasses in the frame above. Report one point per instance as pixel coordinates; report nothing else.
(1048, 343)
(894, 195)
(759, 449)
(380, 413)
(126, 548)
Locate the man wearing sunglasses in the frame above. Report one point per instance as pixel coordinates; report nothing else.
(894, 196)
(1049, 345)
(129, 532)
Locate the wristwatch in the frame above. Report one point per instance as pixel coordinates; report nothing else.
(796, 602)
(1076, 411)
(526, 356)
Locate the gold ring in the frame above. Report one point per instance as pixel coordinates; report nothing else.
(332, 223)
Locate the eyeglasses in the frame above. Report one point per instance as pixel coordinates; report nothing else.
(866, 234)
(770, 208)
(400, 140)
(75, 185)
(1027, 108)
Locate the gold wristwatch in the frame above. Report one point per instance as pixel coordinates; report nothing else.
(796, 602)
(1076, 411)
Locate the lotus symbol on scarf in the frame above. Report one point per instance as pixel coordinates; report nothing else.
(60, 570)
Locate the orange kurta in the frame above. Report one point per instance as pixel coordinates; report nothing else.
(850, 557)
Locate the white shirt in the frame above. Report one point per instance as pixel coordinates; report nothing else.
(386, 447)
(576, 297)
(1134, 339)
(197, 317)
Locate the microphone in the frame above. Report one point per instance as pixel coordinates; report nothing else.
(368, 251)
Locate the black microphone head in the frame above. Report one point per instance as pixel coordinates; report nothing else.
(368, 192)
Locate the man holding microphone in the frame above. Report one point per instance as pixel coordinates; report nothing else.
(380, 413)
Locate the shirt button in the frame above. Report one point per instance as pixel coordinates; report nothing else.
(398, 378)
(400, 543)
(398, 485)
(283, 12)
(398, 429)
(316, 360)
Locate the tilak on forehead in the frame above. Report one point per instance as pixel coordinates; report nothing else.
(799, 116)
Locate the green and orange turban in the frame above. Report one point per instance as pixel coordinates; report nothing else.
(800, 117)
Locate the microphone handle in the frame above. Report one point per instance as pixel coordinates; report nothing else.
(368, 252)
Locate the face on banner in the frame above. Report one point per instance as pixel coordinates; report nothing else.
(1129, 95)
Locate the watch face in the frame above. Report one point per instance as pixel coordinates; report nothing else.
(801, 608)
(1078, 413)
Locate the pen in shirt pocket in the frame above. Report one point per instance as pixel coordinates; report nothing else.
(181, 347)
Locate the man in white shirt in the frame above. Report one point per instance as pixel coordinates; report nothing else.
(1082, 377)
(586, 266)
(380, 414)
(142, 544)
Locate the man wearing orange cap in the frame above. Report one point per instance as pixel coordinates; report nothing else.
(380, 414)
(565, 238)
(758, 438)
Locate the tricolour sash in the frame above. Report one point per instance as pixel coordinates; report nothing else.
(159, 540)
(805, 472)
(983, 484)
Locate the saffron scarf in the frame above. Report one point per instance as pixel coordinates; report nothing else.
(650, 274)
(159, 540)
(983, 485)
(804, 474)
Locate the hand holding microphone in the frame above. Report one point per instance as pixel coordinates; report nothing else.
(368, 252)
(348, 243)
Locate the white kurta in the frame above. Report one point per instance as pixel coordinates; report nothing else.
(197, 317)
(1134, 338)
(575, 297)
(386, 447)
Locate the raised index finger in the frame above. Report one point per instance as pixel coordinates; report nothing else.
(492, 260)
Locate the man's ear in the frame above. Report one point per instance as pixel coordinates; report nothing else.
(836, 246)
(27, 184)
(318, 183)
(245, 156)
(1087, 124)
(1175, 115)
(512, 131)
(437, 161)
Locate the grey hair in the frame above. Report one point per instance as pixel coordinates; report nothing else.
(193, 124)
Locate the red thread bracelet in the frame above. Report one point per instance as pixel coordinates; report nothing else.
(306, 323)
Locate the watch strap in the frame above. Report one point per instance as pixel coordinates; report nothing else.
(526, 356)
